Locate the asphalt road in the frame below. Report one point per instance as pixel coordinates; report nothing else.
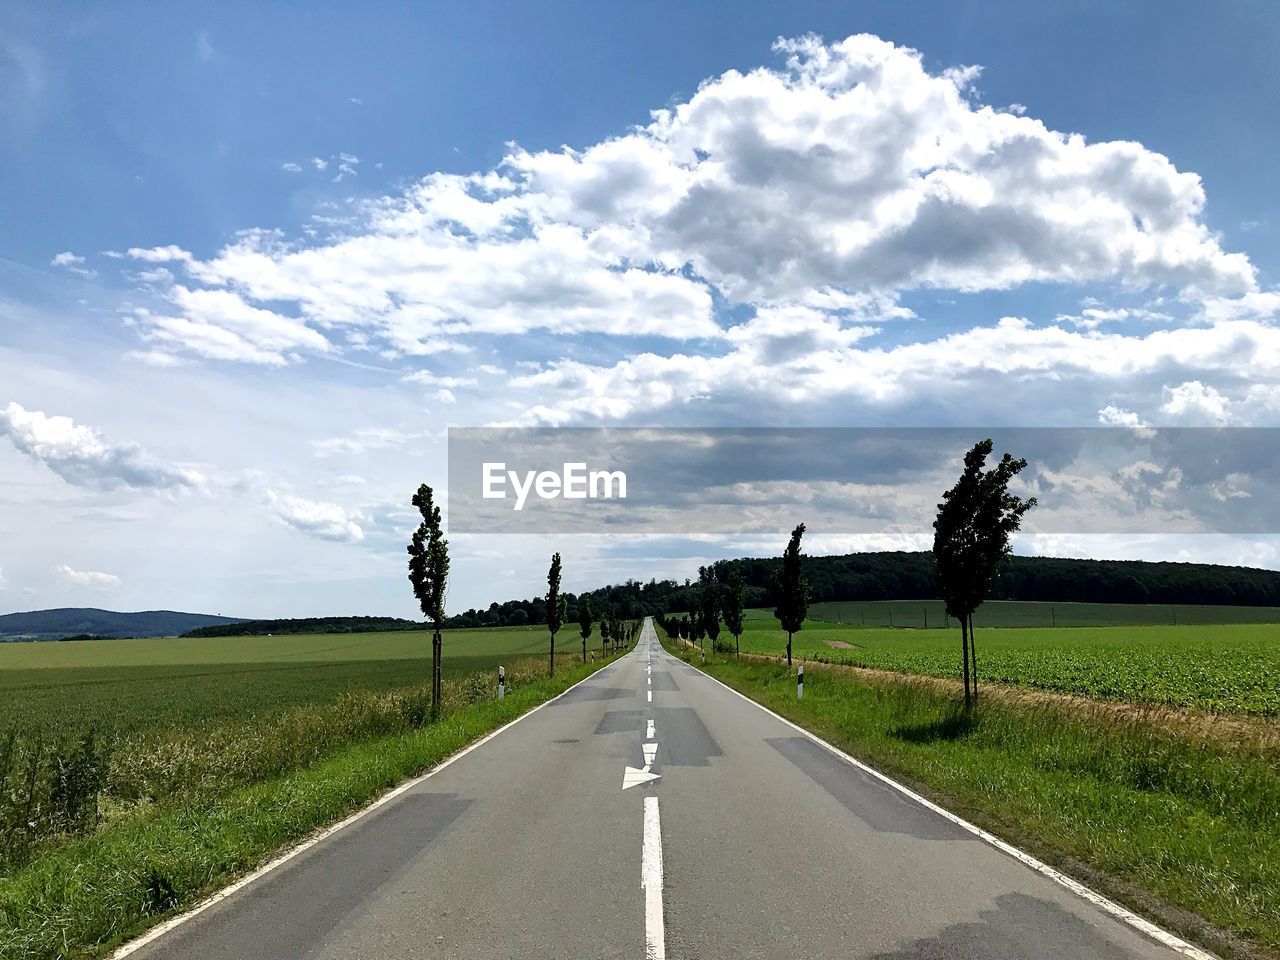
(740, 837)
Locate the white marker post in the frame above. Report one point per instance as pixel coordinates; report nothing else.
(502, 682)
(800, 683)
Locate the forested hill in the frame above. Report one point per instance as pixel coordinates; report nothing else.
(253, 628)
(90, 621)
(909, 576)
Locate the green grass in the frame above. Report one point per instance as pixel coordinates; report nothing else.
(1227, 668)
(1191, 823)
(1020, 613)
(85, 895)
(133, 686)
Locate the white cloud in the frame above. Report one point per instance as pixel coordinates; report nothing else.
(291, 167)
(328, 521)
(81, 456)
(75, 264)
(1196, 404)
(436, 380)
(3, 582)
(205, 48)
(371, 438)
(850, 171)
(87, 578)
(835, 366)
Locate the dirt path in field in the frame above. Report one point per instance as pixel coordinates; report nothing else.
(840, 645)
(1224, 729)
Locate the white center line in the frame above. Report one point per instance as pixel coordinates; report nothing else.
(648, 734)
(655, 935)
(650, 692)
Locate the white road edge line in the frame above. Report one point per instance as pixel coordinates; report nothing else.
(655, 934)
(1121, 913)
(159, 930)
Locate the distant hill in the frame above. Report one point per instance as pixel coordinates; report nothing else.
(90, 621)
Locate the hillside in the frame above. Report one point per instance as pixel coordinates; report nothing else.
(77, 621)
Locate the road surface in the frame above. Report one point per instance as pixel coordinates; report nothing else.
(651, 812)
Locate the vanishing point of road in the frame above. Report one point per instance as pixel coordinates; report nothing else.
(650, 812)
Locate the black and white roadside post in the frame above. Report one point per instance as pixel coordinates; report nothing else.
(800, 683)
(502, 682)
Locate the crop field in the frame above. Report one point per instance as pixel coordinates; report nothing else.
(1022, 613)
(57, 689)
(1225, 668)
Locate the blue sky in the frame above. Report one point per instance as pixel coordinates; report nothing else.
(218, 342)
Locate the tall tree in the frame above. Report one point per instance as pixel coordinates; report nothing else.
(792, 589)
(584, 623)
(711, 605)
(555, 605)
(732, 607)
(971, 538)
(429, 574)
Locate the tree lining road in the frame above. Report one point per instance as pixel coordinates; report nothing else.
(760, 843)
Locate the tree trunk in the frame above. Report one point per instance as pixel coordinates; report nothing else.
(973, 657)
(736, 649)
(435, 674)
(584, 649)
(788, 648)
(964, 642)
(553, 655)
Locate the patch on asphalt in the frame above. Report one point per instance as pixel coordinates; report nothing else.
(299, 905)
(684, 738)
(620, 721)
(1019, 926)
(664, 682)
(876, 804)
(566, 740)
(589, 694)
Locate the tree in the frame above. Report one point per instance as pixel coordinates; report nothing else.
(971, 539)
(792, 589)
(731, 607)
(584, 622)
(711, 606)
(555, 605)
(429, 574)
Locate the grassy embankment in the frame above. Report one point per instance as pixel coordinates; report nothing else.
(1177, 824)
(170, 806)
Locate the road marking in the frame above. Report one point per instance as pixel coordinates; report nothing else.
(650, 752)
(648, 731)
(650, 692)
(634, 776)
(158, 931)
(1156, 933)
(655, 934)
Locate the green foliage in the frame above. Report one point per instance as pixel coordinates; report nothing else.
(585, 616)
(732, 604)
(429, 558)
(792, 589)
(555, 600)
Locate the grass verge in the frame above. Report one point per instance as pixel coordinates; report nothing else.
(83, 897)
(1184, 831)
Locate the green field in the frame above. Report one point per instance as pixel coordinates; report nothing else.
(1020, 613)
(131, 686)
(1226, 668)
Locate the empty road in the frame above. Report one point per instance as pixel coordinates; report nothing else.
(650, 812)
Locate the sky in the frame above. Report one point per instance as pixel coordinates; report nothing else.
(257, 259)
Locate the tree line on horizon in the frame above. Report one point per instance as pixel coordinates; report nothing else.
(888, 575)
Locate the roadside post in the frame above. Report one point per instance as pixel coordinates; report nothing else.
(800, 683)
(502, 682)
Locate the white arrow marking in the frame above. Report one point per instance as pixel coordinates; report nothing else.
(631, 777)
